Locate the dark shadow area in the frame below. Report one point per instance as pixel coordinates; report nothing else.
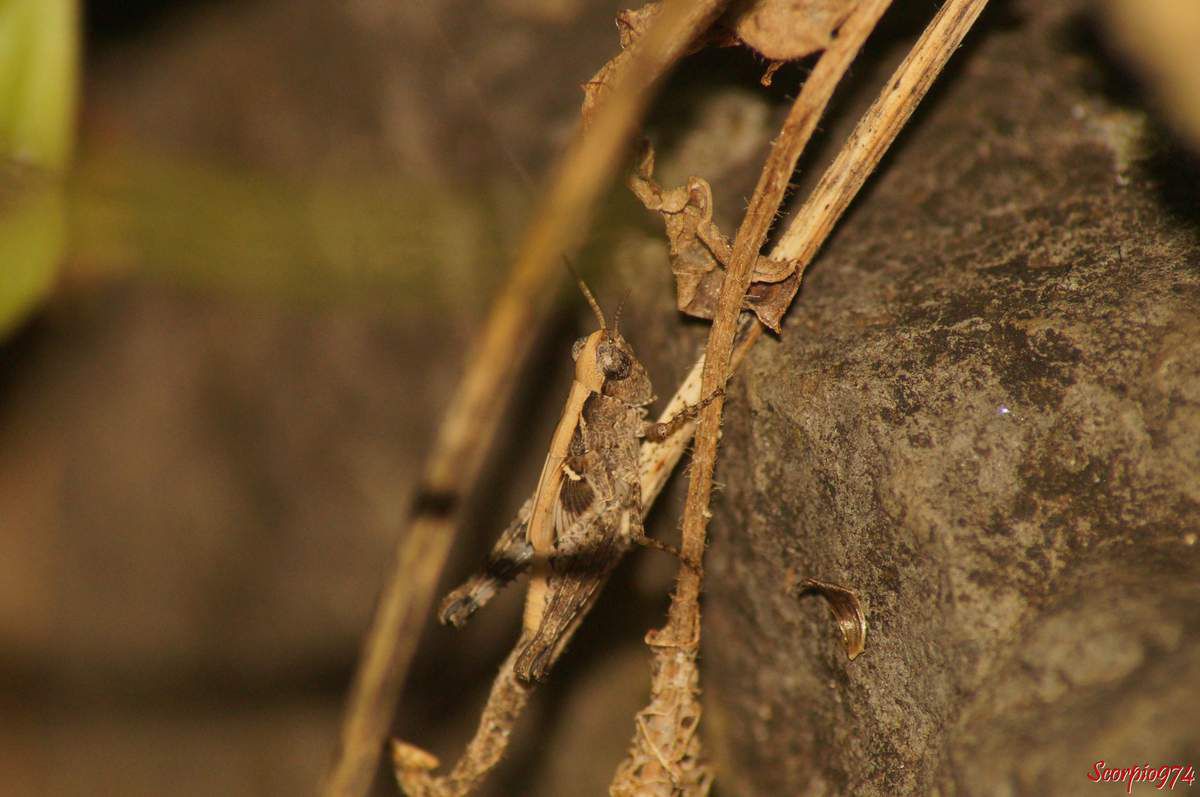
(1171, 165)
(111, 23)
(19, 352)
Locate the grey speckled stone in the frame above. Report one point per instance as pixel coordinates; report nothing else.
(984, 415)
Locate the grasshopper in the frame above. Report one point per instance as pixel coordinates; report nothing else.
(586, 512)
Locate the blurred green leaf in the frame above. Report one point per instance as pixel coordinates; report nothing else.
(32, 239)
(38, 65)
(38, 62)
(378, 238)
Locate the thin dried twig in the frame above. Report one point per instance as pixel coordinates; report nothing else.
(820, 212)
(414, 767)
(764, 204)
(474, 415)
(839, 185)
(665, 755)
(669, 722)
(876, 131)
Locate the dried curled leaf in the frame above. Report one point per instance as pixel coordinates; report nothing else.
(784, 30)
(699, 252)
(846, 610)
(780, 30)
(631, 24)
(770, 300)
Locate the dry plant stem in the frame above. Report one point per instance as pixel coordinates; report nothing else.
(877, 130)
(764, 204)
(470, 423)
(658, 459)
(505, 703)
(838, 186)
(648, 769)
(665, 756)
(1159, 38)
(862, 152)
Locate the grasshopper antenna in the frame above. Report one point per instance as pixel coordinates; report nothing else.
(587, 294)
(620, 307)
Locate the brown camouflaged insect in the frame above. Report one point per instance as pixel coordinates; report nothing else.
(586, 512)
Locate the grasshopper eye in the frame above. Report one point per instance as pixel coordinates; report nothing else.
(577, 347)
(614, 362)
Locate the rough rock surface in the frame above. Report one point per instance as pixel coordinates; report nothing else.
(983, 415)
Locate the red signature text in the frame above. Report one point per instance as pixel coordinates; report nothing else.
(1162, 777)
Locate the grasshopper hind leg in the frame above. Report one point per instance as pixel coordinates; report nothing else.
(509, 558)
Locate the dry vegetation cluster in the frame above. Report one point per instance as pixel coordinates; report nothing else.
(715, 279)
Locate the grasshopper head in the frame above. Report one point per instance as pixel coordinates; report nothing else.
(625, 377)
(605, 363)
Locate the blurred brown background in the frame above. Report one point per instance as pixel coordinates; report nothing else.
(286, 218)
(283, 220)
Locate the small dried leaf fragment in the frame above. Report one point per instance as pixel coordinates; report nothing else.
(847, 612)
(414, 771)
(770, 300)
(699, 251)
(408, 757)
(695, 246)
(784, 30)
(631, 24)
